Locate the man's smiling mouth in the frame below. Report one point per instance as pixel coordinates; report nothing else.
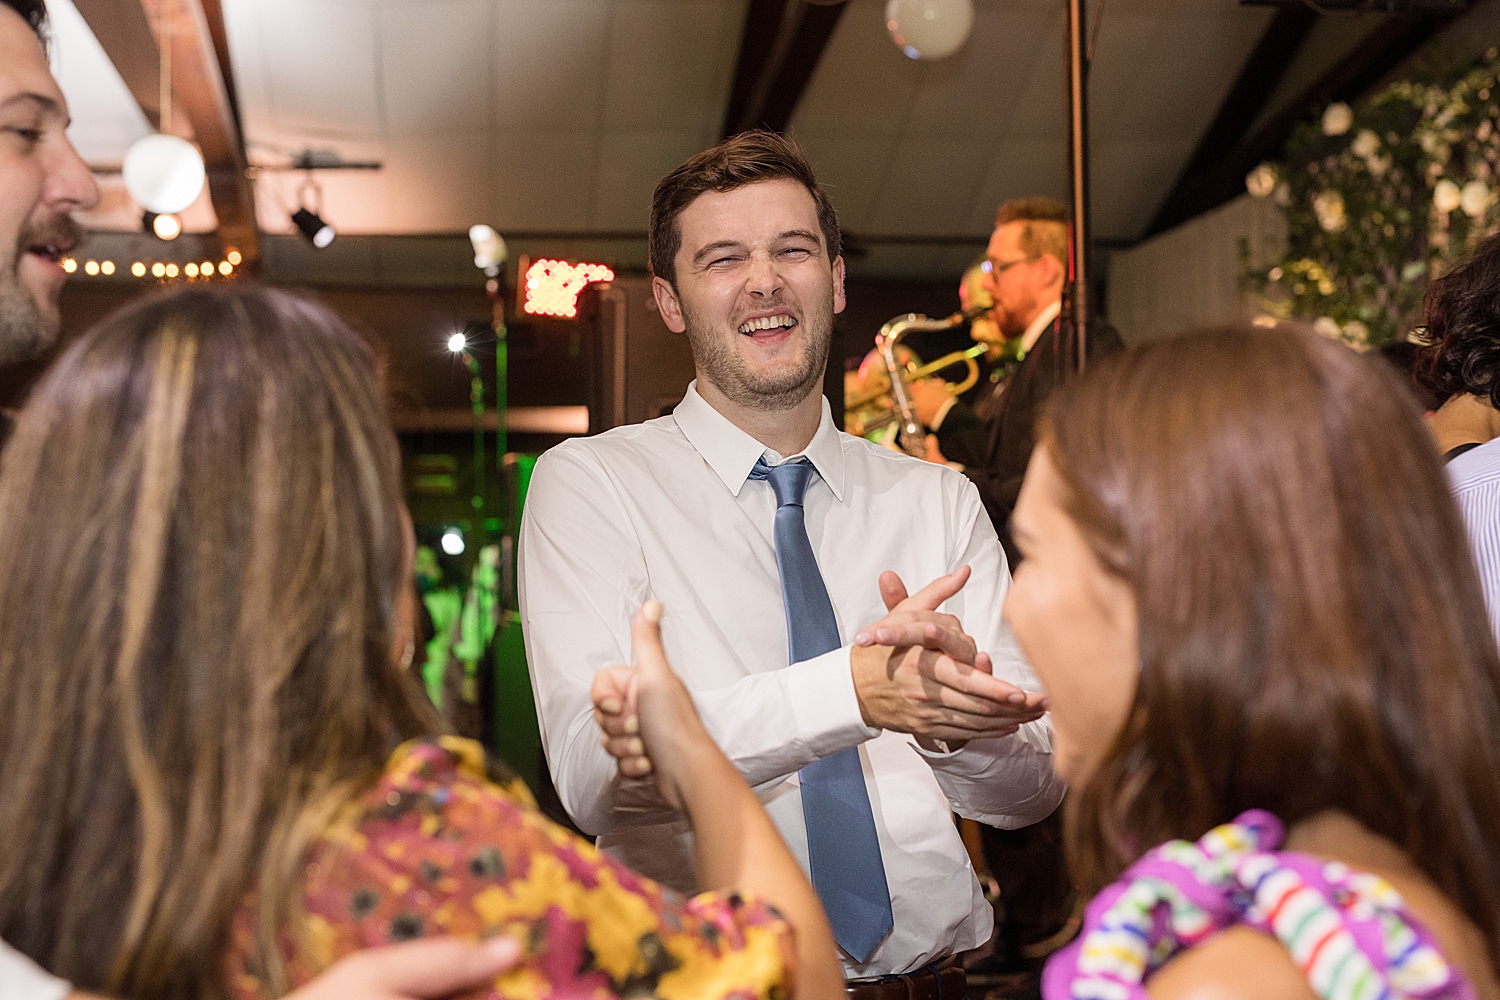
(779, 321)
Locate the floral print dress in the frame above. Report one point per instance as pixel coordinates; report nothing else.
(438, 848)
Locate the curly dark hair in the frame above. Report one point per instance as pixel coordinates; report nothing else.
(1463, 328)
(33, 12)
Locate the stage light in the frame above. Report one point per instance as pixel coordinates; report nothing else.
(489, 249)
(91, 268)
(171, 270)
(929, 29)
(69, 264)
(225, 267)
(158, 270)
(138, 269)
(107, 268)
(190, 269)
(453, 542)
(552, 286)
(166, 227)
(233, 256)
(458, 343)
(318, 232)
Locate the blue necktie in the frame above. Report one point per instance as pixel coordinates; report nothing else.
(842, 847)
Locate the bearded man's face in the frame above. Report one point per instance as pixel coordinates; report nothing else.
(42, 181)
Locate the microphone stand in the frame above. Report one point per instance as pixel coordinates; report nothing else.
(1078, 178)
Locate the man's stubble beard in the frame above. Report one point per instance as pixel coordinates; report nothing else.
(724, 367)
(27, 329)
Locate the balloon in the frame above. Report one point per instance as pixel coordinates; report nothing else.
(163, 173)
(929, 29)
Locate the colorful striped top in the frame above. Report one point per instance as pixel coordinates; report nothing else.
(1349, 932)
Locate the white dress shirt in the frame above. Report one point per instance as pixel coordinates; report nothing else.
(1475, 479)
(23, 979)
(664, 510)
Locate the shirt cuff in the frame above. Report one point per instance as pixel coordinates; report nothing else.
(826, 709)
(21, 979)
(942, 413)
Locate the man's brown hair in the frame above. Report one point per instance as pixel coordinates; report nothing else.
(1312, 633)
(747, 158)
(202, 552)
(1044, 229)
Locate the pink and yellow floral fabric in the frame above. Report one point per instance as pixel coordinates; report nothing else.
(437, 848)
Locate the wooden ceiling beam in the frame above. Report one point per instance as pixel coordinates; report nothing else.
(1213, 184)
(201, 93)
(779, 49)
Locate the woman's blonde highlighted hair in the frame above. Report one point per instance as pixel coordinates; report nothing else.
(201, 560)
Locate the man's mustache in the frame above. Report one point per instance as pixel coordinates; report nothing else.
(56, 230)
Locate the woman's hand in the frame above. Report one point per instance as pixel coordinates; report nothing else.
(649, 721)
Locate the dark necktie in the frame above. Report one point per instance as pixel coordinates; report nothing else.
(843, 849)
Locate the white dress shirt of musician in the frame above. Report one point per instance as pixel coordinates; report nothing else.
(663, 510)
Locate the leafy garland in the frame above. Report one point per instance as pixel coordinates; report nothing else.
(1378, 199)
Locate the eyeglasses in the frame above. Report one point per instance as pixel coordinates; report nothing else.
(995, 268)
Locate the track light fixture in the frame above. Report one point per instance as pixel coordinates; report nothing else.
(307, 218)
(318, 232)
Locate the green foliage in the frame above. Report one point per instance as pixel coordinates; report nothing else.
(1381, 197)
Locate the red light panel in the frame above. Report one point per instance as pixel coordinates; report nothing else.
(552, 286)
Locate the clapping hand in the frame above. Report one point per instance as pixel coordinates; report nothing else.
(916, 671)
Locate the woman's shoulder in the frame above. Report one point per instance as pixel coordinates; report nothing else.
(1236, 964)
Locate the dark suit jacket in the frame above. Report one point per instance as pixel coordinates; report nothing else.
(1013, 434)
(964, 436)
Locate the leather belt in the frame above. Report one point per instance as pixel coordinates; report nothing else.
(926, 984)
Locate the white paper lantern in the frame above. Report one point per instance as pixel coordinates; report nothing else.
(163, 173)
(929, 29)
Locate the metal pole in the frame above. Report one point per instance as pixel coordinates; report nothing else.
(1078, 173)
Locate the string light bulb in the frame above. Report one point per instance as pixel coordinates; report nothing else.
(138, 269)
(225, 267)
(91, 268)
(190, 269)
(158, 270)
(171, 270)
(69, 265)
(107, 268)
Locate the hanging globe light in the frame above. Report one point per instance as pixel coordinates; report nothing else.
(164, 173)
(929, 29)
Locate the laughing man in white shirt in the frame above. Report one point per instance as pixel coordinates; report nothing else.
(744, 249)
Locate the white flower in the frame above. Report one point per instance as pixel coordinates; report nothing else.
(1328, 327)
(1474, 199)
(1328, 206)
(1365, 144)
(1337, 118)
(1378, 165)
(1261, 181)
(1446, 196)
(1356, 332)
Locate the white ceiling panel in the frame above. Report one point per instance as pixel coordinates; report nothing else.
(1130, 180)
(928, 188)
(630, 165)
(320, 59)
(550, 65)
(438, 184)
(544, 181)
(670, 65)
(436, 64)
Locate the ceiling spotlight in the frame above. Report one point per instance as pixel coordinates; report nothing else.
(457, 343)
(166, 226)
(318, 232)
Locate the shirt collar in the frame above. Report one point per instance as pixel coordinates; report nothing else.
(1043, 320)
(732, 453)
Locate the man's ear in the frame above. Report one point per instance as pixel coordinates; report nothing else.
(1057, 271)
(667, 305)
(838, 284)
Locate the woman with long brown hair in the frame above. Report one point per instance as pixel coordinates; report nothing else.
(204, 605)
(1249, 596)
